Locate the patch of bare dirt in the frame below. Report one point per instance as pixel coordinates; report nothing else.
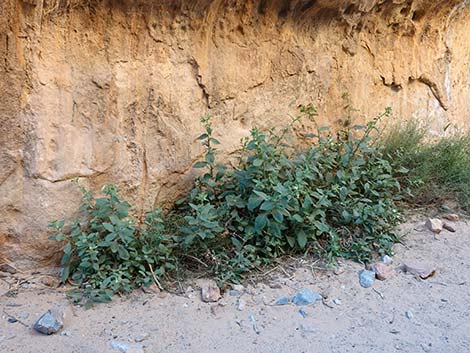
(401, 314)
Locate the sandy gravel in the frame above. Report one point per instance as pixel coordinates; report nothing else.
(363, 320)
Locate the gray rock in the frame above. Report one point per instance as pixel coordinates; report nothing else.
(366, 278)
(235, 293)
(337, 301)
(48, 323)
(306, 297)
(409, 315)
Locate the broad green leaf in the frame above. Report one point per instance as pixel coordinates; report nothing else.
(260, 222)
(109, 227)
(302, 239)
(200, 164)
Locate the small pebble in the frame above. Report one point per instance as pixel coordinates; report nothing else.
(409, 315)
(337, 301)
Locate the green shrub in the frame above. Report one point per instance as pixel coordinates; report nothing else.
(106, 252)
(438, 170)
(335, 198)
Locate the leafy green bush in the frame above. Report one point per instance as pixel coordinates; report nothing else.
(438, 170)
(335, 198)
(107, 253)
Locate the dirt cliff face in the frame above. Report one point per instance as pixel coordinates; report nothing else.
(112, 91)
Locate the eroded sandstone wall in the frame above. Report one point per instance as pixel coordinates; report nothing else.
(112, 91)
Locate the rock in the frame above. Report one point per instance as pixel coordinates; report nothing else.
(421, 270)
(303, 313)
(409, 315)
(241, 304)
(337, 301)
(235, 293)
(387, 260)
(366, 278)
(449, 227)
(210, 291)
(48, 323)
(434, 224)
(452, 217)
(306, 297)
(282, 301)
(12, 320)
(382, 271)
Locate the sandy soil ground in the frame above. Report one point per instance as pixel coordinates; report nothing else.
(401, 314)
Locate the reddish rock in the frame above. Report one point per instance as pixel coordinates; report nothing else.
(382, 271)
(452, 217)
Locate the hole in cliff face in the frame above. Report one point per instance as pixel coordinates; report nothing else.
(417, 15)
(350, 9)
(262, 7)
(284, 11)
(308, 5)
